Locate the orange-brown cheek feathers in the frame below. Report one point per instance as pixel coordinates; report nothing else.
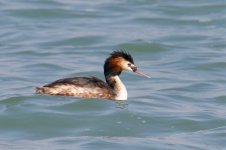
(113, 66)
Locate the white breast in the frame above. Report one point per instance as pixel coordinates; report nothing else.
(120, 89)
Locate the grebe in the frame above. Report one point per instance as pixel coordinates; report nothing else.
(92, 87)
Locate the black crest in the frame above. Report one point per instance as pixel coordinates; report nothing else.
(122, 54)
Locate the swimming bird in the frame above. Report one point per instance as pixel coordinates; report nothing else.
(92, 87)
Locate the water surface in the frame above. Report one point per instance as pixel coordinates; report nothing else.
(181, 44)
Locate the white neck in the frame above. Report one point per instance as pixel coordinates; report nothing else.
(120, 89)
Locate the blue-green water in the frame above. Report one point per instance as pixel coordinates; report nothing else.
(181, 44)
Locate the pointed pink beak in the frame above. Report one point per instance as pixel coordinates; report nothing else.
(142, 74)
(135, 69)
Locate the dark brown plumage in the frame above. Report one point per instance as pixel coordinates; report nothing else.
(89, 87)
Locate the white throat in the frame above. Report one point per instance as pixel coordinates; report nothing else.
(120, 89)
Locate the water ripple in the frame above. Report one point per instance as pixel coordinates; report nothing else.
(181, 44)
